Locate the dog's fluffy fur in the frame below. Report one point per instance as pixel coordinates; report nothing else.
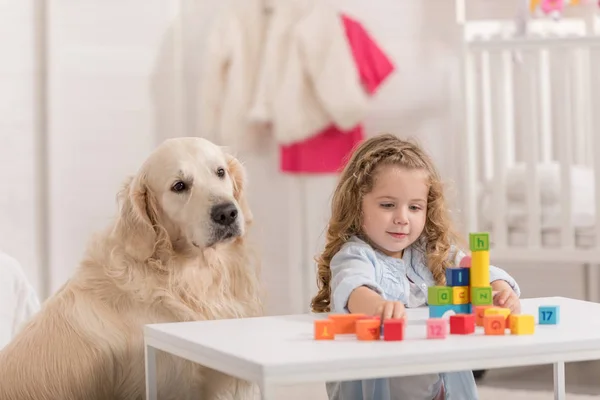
(164, 259)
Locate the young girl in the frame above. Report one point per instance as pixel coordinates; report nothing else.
(389, 239)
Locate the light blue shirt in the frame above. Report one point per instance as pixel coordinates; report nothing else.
(358, 264)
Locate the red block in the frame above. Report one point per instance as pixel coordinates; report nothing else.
(393, 329)
(462, 324)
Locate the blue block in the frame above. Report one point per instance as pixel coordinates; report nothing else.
(439, 311)
(457, 276)
(549, 315)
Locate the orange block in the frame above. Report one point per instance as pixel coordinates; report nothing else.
(345, 323)
(324, 329)
(499, 311)
(479, 314)
(494, 324)
(368, 329)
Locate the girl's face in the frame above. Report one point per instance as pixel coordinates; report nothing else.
(394, 212)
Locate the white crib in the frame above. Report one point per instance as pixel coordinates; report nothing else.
(531, 139)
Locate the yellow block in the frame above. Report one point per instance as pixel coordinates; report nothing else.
(480, 268)
(460, 295)
(522, 324)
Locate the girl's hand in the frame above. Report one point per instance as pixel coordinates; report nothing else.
(390, 309)
(505, 296)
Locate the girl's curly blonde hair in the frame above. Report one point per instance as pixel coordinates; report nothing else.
(356, 180)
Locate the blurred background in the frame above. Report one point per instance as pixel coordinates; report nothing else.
(89, 87)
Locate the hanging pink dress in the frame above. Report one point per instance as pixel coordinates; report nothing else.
(328, 150)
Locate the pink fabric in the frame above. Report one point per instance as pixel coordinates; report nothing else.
(327, 151)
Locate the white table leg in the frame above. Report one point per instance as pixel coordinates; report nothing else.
(559, 381)
(151, 389)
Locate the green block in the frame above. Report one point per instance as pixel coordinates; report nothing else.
(439, 295)
(479, 241)
(482, 296)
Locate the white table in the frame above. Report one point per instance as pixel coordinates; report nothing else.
(281, 350)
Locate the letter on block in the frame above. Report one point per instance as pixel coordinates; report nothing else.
(368, 329)
(439, 295)
(549, 315)
(480, 269)
(494, 324)
(460, 295)
(521, 324)
(505, 312)
(457, 276)
(324, 329)
(481, 296)
(463, 324)
(480, 313)
(437, 328)
(479, 241)
(393, 329)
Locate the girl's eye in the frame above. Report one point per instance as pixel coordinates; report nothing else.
(387, 205)
(415, 208)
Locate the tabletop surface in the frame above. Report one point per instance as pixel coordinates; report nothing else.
(285, 344)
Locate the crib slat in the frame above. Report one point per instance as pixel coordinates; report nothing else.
(594, 80)
(504, 131)
(531, 151)
(486, 99)
(563, 113)
(470, 208)
(545, 106)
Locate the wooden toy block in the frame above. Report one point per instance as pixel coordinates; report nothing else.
(438, 311)
(368, 329)
(463, 324)
(505, 312)
(393, 329)
(481, 296)
(479, 241)
(457, 276)
(479, 312)
(437, 328)
(324, 329)
(494, 324)
(465, 262)
(480, 269)
(549, 315)
(346, 323)
(439, 295)
(522, 324)
(460, 295)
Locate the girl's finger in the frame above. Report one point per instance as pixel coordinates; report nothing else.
(398, 310)
(388, 311)
(502, 297)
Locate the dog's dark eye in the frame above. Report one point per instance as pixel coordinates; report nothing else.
(220, 172)
(178, 187)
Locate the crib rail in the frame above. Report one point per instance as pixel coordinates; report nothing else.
(532, 103)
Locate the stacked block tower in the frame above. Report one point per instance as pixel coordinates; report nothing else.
(468, 285)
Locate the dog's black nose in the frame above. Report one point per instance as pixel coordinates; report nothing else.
(224, 214)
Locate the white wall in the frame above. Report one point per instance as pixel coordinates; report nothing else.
(123, 75)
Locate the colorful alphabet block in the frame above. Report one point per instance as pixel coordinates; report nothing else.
(505, 312)
(479, 312)
(479, 241)
(549, 315)
(457, 276)
(463, 324)
(460, 295)
(480, 269)
(437, 328)
(368, 329)
(345, 323)
(522, 324)
(438, 311)
(393, 329)
(494, 324)
(439, 295)
(481, 296)
(324, 329)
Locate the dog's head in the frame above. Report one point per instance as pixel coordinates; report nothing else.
(188, 195)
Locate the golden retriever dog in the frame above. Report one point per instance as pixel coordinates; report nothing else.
(177, 251)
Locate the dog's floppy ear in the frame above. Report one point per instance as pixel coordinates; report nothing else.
(136, 224)
(237, 172)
